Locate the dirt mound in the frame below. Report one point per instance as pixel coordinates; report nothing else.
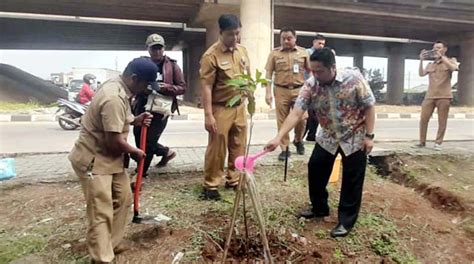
(241, 250)
(148, 234)
(19, 86)
(393, 167)
(440, 197)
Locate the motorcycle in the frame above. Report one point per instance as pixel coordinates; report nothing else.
(69, 114)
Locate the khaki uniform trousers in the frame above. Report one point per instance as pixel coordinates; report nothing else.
(231, 135)
(109, 200)
(427, 108)
(284, 98)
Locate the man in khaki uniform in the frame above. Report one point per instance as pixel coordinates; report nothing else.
(100, 155)
(439, 90)
(289, 63)
(227, 126)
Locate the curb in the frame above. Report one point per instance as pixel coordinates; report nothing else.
(200, 117)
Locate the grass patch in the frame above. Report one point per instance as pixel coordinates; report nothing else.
(469, 226)
(194, 248)
(338, 255)
(384, 240)
(12, 186)
(321, 234)
(7, 106)
(12, 248)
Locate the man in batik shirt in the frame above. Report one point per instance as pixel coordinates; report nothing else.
(344, 106)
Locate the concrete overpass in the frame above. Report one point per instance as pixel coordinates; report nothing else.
(192, 26)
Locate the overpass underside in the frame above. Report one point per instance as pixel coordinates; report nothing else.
(192, 26)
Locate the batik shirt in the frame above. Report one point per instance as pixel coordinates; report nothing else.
(340, 109)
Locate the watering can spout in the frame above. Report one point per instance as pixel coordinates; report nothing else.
(249, 164)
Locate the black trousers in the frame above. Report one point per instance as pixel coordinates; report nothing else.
(156, 128)
(311, 125)
(353, 173)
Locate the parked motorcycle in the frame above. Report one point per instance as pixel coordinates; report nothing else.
(69, 114)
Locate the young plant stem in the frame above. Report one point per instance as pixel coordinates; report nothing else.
(232, 222)
(245, 219)
(254, 197)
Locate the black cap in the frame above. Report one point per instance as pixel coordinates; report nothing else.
(144, 68)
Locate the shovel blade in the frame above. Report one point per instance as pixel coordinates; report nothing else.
(150, 220)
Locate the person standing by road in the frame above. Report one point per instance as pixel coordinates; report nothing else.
(288, 64)
(171, 83)
(227, 126)
(439, 93)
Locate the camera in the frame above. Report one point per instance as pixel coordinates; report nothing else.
(430, 54)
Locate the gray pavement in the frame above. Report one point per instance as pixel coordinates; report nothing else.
(55, 167)
(47, 137)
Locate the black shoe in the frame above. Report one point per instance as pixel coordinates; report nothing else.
(419, 145)
(165, 159)
(340, 231)
(309, 213)
(310, 138)
(210, 195)
(282, 155)
(299, 147)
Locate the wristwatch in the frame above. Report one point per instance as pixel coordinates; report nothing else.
(369, 136)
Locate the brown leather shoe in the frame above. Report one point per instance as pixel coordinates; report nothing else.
(164, 161)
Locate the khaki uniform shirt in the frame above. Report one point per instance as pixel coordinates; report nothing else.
(289, 66)
(220, 64)
(109, 111)
(439, 80)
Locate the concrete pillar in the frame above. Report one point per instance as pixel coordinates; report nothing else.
(466, 73)
(192, 55)
(359, 61)
(395, 75)
(212, 32)
(257, 31)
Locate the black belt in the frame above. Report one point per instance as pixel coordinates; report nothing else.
(289, 86)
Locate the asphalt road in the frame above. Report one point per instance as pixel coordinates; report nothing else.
(21, 137)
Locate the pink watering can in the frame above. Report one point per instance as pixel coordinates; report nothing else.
(239, 161)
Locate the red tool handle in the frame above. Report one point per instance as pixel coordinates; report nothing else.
(141, 163)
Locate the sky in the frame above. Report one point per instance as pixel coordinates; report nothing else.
(44, 62)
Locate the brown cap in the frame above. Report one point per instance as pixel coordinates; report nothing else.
(155, 39)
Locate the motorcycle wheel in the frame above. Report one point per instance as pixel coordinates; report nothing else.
(66, 125)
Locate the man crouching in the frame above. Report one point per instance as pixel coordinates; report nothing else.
(100, 155)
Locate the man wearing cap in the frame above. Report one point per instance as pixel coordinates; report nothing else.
(170, 84)
(227, 126)
(100, 155)
(288, 63)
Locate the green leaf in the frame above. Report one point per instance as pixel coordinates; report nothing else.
(237, 82)
(251, 106)
(233, 100)
(258, 75)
